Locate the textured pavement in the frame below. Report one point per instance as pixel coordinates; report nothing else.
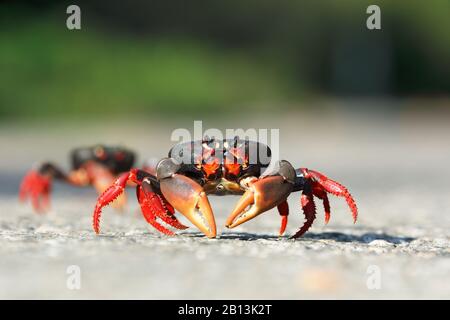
(396, 169)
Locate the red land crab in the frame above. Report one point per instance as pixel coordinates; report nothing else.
(97, 166)
(222, 167)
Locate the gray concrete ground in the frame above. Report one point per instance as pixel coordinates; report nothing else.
(396, 167)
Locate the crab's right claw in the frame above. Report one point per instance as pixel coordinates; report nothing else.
(261, 196)
(109, 195)
(37, 187)
(188, 198)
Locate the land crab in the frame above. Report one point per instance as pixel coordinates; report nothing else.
(196, 169)
(97, 165)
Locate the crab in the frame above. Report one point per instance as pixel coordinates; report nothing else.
(98, 166)
(210, 166)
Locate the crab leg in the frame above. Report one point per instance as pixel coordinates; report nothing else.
(151, 201)
(169, 215)
(333, 187)
(110, 194)
(283, 209)
(309, 210)
(149, 209)
(320, 193)
(326, 207)
(100, 177)
(153, 205)
(36, 186)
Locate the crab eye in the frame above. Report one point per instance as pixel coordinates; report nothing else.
(233, 168)
(210, 168)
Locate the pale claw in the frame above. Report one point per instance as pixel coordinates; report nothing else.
(188, 197)
(262, 195)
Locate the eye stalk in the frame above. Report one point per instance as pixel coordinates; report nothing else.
(233, 168)
(211, 166)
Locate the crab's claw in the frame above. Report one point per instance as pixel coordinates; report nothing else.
(37, 187)
(188, 197)
(262, 195)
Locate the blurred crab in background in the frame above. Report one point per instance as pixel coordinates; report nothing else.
(223, 167)
(97, 166)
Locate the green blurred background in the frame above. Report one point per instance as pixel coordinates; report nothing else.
(370, 109)
(206, 58)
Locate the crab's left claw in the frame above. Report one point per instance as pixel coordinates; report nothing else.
(37, 187)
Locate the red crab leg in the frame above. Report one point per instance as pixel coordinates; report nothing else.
(152, 202)
(37, 183)
(37, 187)
(150, 205)
(109, 195)
(171, 220)
(283, 209)
(168, 215)
(326, 207)
(309, 210)
(100, 177)
(25, 186)
(334, 188)
(320, 193)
